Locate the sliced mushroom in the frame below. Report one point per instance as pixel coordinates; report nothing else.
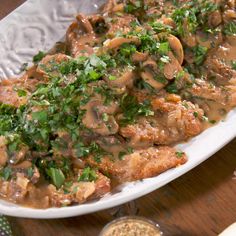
(108, 7)
(120, 24)
(98, 23)
(229, 15)
(117, 42)
(123, 79)
(139, 56)
(209, 40)
(80, 37)
(99, 117)
(3, 151)
(167, 21)
(188, 38)
(151, 64)
(177, 48)
(148, 77)
(84, 22)
(171, 68)
(214, 19)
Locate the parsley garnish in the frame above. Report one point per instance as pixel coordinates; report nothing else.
(132, 109)
(38, 57)
(88, 175)
(179, 154)
(233, 65)
(56, 176)
(6, 173)
(199, 54)
(230, 28)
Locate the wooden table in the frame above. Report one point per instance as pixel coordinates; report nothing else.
(202, 202)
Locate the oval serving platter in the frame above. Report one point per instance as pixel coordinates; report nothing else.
(38, 25)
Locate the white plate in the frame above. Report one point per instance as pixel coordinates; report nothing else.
(37, 25)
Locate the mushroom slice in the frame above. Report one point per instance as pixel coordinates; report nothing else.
(80, 37)
(122, 80)
(99, 117)
(139, 56)
(177, 48)
(148, 77)
(117, 42)
(3, 151)
(172, 68)
(84, 22)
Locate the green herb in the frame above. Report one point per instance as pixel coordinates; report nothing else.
(133, 6)
(200, 53)
(161, 79)
(81, 150)
(21, 93)
(56, 176)
(179, 154)
(233, 65)
(112, 77)
(88, 175)
(39, 56)
(193, 14)
(212, 121)
(14, 143)
(105, 117)
(184, 14)
(123, 57)
(30, 172)
(134, 23)
(121, 155)
(195, 113)
(148, 43)
(41, 116)
(159, 27)
(132, 109)
(172, 88)
(6, 173)
(164, 48)
(230, 28)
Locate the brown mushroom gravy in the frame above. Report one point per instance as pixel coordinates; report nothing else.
(108, 105)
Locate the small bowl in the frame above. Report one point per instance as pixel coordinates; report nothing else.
(131, 225)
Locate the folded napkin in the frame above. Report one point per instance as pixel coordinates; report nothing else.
(5, 228)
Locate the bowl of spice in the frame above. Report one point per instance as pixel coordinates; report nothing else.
(131, 226)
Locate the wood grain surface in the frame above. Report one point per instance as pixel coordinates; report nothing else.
(202, 202)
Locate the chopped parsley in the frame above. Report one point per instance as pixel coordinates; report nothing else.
(230, 28)
(57, 176)
(193, 15)
(172, 88)
(195, 113)
(133, 6)
(38, 57)
(21, 93)
(5, 173)
(88, 175)
(200, 53)
(233, 65)
(158, 27)
(132, 109)
(179, 154)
